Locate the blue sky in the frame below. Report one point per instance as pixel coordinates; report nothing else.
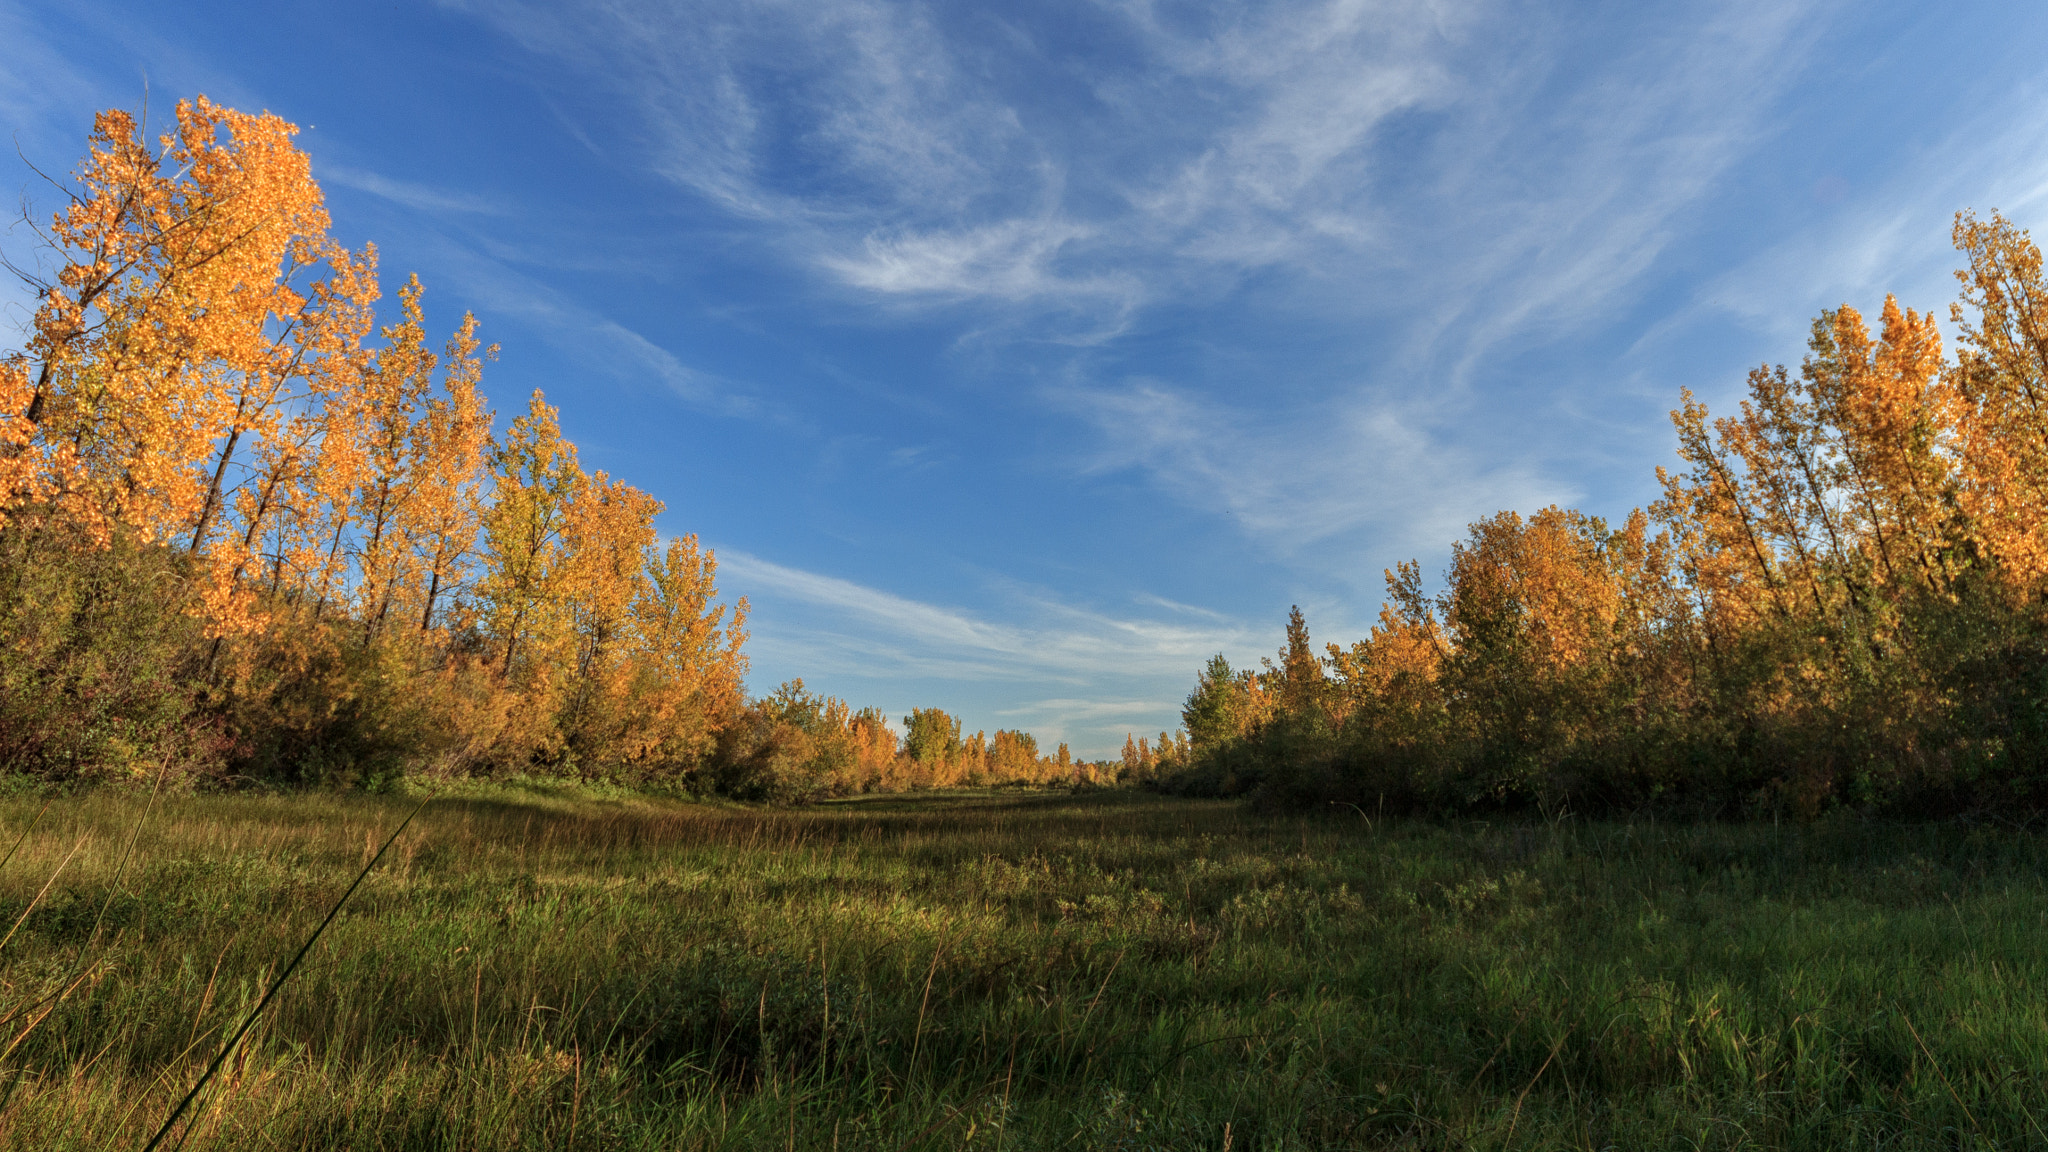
(1014, 359)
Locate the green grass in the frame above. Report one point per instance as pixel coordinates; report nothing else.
(1020, 971)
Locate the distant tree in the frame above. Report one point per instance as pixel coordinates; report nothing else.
(1166, 755)
(1013, 756)
(931, 737)
(1211, 714)
(1300, 676)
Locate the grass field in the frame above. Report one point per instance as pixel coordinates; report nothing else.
(1018, 971)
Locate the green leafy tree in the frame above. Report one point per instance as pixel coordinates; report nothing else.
(1213, 712)
(931, 736)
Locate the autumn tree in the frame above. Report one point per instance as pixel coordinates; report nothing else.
(536, 482)
(875, 750)
(2000, 379)
(690, 662)
(1013, 757)
(198, 431)
(449, 443)
(380, 422)
(197, 300)
(1389, 680)
(1894, 424)
(185, 304)
(1169, 752)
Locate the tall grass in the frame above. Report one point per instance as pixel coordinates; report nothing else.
(545, 970)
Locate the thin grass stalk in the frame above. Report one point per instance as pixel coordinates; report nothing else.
(127, 853)
(276, 985)
(79, 968)
(1938, 1071)
(917, 1035)
(23, 838)
(44, 891)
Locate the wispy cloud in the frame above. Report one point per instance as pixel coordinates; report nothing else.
(1549, 219)
(496, 289)
(1284, 105)
(1015, 260)
(1067, 642)
(1471, 192)
(1373, 463)
(1103, 723)
(948, 640)
(38, 85)
(839, 632)
(901, 157)
(418, 197)
(1890, 234)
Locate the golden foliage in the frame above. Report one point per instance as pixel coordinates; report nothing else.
(1845, 598)
(200, 379)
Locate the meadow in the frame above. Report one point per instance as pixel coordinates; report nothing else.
(542, 968)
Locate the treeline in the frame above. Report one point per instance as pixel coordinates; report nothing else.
(795, 746)
(247, 531)
(1841, 598)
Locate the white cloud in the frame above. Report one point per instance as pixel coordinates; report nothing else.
(1295, 99)
(493, 288)
(40, 89)
(931, 629)
(875, 646)
(1889, 236)
(893, 158)
(698, 387)
(1373, 462)
(1064, 643)
(1469, 177)
(1104, 722)
(1014, 260)
(418, 197)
